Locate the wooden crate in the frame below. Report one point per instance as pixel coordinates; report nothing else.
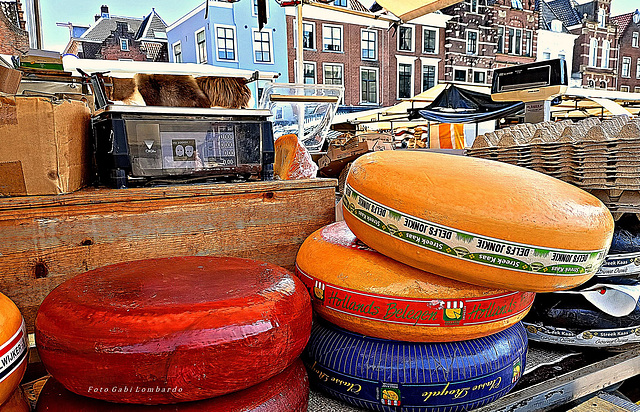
(46, 240)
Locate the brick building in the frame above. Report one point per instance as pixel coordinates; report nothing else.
(595, 56)
(14, 39)
(470, 45)
(516, 25)
(120, 38)
(629, 45)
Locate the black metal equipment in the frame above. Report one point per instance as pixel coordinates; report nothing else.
(140, 145)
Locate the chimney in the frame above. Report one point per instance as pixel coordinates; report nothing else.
(104, 12)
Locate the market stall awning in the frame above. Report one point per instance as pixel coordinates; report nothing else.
(408, 10)
(457, 105)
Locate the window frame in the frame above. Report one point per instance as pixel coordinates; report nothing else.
(638, 68)
(500, 39)
(124, 42)
(623, 87)
(435, 75)
(412, 42)
(622, 67)
(635, 39)
(411, 80)
(173, 51)
(606, 54)
(315, 71)
(477, 42)
(466, 74)
(484, 73)
(235, 42)
(471, 6)
(593, 52)
(324, 77)
(313, 34)
(527, 43)
(254, 8)
(377, 85)
(341, 30)
(436, 41)
(199, 59)
(255, 31)
(375, 44)
(335, 3)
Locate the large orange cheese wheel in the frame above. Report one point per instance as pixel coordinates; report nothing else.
(13, 348)
(477, 221)
(361, 290)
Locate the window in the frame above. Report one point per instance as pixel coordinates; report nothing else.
(528, 39)
(368, 44)
(473, 6)
(602, 18)
(430, 41)
(638, 68)
(369, 85)
(516, 4)
(309, 71)
(460, 75)
(333, 74)
(341, 3)
(603, 84)
(624, 88)
(428, 77)
(500, 40)
(556, 25)
(561, 56)
(472, 42)
(308, 35)
(518, 41)
(404, 80)
(510, 45)
(201, 47)
(124, 44)
(332, 38)
(254, 10)
(626, 67)
(262, 46)
(636, 89)
(591, 83)
(593, 52)
(405, 38)
(546, 56)
(226, 43)
(177, 52)
(479, 77)
(634, 39)
(604, 63)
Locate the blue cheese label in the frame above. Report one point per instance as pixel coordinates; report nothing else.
(470, 246)
(620, 265)
(591, 338)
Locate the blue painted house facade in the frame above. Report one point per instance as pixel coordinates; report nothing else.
(229, 37)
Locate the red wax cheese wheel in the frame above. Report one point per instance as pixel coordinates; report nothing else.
(13, 348)
(193, 327)
(287, 391)
(478, 221)
(292, 159)
(16, 403)
(361, 290)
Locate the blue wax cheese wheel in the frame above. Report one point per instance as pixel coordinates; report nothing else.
(387, 375)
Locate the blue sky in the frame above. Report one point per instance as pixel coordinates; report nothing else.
(82, 12)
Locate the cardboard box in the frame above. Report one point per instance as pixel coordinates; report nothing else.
(9, 80)
(44, 146)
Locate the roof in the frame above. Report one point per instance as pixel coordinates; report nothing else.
(152, 28)
(357, 6)
(562, 10)
(622, 21)
(102, 28)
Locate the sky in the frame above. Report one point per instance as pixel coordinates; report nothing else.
(82, 12)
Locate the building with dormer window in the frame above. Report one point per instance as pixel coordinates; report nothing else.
(555, 40)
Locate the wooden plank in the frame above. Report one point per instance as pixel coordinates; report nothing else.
(574, 385)
(597, 404)
(63, 236)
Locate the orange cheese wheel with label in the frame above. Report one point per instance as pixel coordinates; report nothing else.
(478, 221)
(361, 290)
(13, 348)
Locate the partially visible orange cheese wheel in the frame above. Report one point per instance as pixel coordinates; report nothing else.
(478, 221)
(363, 291)
(13, 348)
(292, 160)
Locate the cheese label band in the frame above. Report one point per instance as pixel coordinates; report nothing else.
(13, 352)
(592, 338)
(414, 311)
(622, 264)
(470, 246)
